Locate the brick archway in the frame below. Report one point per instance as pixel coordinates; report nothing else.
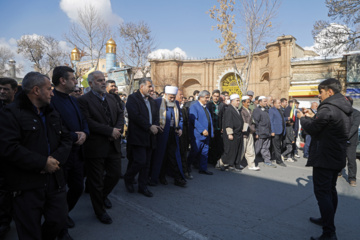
(189, 86)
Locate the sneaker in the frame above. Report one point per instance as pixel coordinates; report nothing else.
(217, 166)
(254, 168)
(353, 183)
(188, 176)
(289, 160)
(297, 156)
(282, 158)
(270, 165)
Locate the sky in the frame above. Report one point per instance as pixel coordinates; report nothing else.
(183, 25)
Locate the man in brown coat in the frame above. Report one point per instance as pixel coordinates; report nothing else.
(248, 130)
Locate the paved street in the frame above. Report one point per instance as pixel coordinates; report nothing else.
(270, 204)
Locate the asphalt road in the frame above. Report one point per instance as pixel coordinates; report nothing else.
(269, 204)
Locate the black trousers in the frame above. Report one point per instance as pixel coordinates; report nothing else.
(216, 147)
(100, 186)
(31, 205)
(169, 163)
(276, 143)
(351, 157)
(139, 164)
(74, 175)
(325, 192)
(5, 204)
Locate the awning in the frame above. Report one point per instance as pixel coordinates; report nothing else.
(353, 92)
(304, 91)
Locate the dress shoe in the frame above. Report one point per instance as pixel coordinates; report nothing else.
(180, 182)
(206, 172)
(282, 164)
(129, 186)
(331, 236)
(64, 235)
(316, 221)
(70, 223)
(146, 192)
(163, 181)
(107, 203)
(105, 218)
(152, 183)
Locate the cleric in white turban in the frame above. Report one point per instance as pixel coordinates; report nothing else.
(167, 156)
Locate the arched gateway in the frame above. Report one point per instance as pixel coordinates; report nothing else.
(228, 83)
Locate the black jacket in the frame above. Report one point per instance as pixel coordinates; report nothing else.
(139, 124)
(24, 147)
(210, 106)
(354, 131)
(329, 130)
(262, 122)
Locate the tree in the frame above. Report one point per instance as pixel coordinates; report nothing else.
(44, 52)
(137, 43)
(333, 38)
(255, 18)
(89, 34)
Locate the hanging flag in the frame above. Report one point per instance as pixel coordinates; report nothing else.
(292, 115)
(85, 82)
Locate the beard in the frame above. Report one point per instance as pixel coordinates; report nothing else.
(170, 104)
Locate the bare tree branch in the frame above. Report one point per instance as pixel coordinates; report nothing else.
(89, 34)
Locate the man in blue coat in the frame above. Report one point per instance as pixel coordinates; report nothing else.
(278, 130)
(200, 130)
(167, 158)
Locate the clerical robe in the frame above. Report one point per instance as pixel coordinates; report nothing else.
(232, 124)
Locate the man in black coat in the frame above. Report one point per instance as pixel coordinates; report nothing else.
(351, 149)
(233, 135)
(65, 82)
(263, 131)
(329, 130)
(103, 147)
(8, 88)
(143, 115)
(34, 146)
(216, 109)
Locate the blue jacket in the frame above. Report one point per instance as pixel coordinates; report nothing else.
(277, 121)
(198, 122)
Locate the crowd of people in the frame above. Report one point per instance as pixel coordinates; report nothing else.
(53, 137)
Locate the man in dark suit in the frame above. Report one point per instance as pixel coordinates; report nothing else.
(143, 115)
(103, 147)
(216, 109)
(65, 82)
(278, 130)
(8, 89)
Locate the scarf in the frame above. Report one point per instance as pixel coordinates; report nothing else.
(162, 112)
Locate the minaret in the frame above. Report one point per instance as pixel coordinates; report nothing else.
(75, 57)
(110, 54)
